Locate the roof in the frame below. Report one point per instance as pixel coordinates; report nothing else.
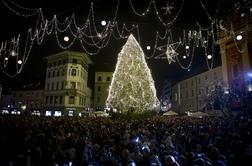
(69, 52)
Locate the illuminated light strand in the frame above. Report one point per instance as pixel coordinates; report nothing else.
(173, 20)
(191, 60)
(142, 13)
(18, 13)
(21, 7)
(152, 2)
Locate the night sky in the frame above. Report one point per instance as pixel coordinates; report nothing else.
(34, 69)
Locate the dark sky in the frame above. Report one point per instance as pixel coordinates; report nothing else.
(34, 69)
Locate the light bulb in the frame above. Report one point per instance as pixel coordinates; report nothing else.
(209, 56)
(103, 23)
(184, 57)
(6, 58)
(187, 47)
(19, 62)
(13, 53)
(239, 37)
(148, 47)
(66, 38)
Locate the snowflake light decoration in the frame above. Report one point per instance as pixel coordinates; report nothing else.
(167, 8)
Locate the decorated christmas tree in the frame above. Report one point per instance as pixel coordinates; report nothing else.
(132, 87)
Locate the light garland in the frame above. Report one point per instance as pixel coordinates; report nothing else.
(92, 40)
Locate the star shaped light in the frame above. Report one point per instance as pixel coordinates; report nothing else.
(167, 8)
(170, 52)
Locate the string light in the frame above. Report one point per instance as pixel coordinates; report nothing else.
(89, 36)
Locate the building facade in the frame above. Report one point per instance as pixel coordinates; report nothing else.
(101, 88)
(235, 39)
(191, 94)
(28, 100)
(66, 90)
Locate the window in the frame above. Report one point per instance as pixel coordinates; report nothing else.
(108, 78)
(58, 73)
(80, 101)
(55, 99)
(63, 72)
(73, 72)
(98, 99)
(192, 83)
(99, 89)
(206, 77)
(48, 86)
(207, 90)
(235, 70)
(51, 99)
(46, 101)
(71, 99)
(74, 60)
(61, 100)
(192, 92)
(64, 61)
(52, 88)
(59, 62)
(99, 78)
(54, 64)
(53, 73)
(73, 85)
(50, 65)
(57, 85)
(62, 85)
(49, 74)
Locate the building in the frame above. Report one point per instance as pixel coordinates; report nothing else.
(28, 99)
(191, 94)
(101, 88)
(235, 40)
(66, 90)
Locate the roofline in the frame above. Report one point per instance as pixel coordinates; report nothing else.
(68, 52)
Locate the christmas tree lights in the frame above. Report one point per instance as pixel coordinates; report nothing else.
(132, 86)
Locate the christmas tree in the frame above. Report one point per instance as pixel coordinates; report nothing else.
(132, 86)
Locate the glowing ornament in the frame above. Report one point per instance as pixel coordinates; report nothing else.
(13, 53)
(148, 47)
(19, 62)
(66, 38)
(209, 56)
(6, 58)
(103, 23)
(184, 57)
(239, 37)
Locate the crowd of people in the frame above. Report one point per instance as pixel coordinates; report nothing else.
(96, 141)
